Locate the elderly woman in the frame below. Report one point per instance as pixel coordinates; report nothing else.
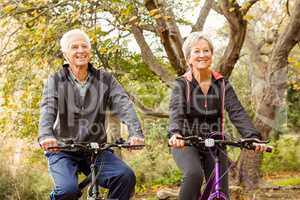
(197, 103)
(74, 103)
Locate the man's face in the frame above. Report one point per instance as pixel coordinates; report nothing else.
(79, 53)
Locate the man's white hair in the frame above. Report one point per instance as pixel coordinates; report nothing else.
(70, 36)
(191, 40)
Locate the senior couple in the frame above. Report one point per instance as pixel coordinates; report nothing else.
(76, 98)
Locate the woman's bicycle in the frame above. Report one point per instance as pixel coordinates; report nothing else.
(95, 150)
(212, 190)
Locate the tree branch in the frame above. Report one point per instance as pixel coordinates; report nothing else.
(10, 51)
(42, 7)
(148, 27)
(238, 27)
(149, 57)
(255, 54)
(146, 111)
(217, 7)
(168, 32)
(287, 7)
(288, 39)
(247, 5)
(202, 16)
(9, 37)
(274, 92)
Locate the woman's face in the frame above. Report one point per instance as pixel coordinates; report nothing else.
(79, 53)
(201, 55)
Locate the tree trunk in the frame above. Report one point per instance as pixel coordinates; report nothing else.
(198, 26)
(238, 27)
(169, 33)
(273, 94)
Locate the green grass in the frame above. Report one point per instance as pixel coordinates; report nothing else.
(292, 181)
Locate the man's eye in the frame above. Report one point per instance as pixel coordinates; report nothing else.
(74, 47)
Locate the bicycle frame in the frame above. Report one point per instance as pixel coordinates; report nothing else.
(94, 193)
(95, 150)
(213, 187)
(215, 182)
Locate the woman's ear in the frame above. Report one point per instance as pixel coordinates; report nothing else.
(66, 57)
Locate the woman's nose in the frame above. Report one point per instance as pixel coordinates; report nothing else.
(201, 54)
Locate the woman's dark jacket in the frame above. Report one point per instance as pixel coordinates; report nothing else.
(193, 113)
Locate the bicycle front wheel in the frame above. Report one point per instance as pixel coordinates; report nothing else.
(217, 196)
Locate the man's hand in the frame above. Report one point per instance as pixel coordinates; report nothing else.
(49, 142)
(174, 142)
(136, 141)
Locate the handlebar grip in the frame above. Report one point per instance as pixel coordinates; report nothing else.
(132, 146)
(269, 149)
(186, 144)
(55, 147)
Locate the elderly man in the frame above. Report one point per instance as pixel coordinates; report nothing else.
(74, 103)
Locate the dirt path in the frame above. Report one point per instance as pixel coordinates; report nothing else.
(268, 192)
(262, 194)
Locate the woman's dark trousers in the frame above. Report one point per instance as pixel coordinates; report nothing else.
(195, 166)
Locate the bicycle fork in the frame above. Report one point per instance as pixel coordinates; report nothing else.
(213, 187)
(93, 191)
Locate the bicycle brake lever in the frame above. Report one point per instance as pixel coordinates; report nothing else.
(247, 143)
(251, 140)
(120, 141)
(67, 141)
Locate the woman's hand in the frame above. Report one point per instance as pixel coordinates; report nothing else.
(174, 142)
(260, 148)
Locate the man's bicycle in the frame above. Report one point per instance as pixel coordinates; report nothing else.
(212, 190)
(94, 150)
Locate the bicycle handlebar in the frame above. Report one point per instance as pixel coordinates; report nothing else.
(244, 143)
(93, 146)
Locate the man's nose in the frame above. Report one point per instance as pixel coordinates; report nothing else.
(80, 49)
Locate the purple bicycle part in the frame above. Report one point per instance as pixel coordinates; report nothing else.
(213, 187)
(214, 182)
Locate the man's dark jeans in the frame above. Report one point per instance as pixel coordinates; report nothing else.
(115, 175)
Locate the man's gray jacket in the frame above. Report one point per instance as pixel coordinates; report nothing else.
(64, 114)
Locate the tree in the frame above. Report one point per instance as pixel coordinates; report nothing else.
(37, 25)
(272, 95)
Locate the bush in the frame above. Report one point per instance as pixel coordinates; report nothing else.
(26, 178)
(285, 156)
(154, 165)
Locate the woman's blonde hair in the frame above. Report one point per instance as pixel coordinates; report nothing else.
(191, 40)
